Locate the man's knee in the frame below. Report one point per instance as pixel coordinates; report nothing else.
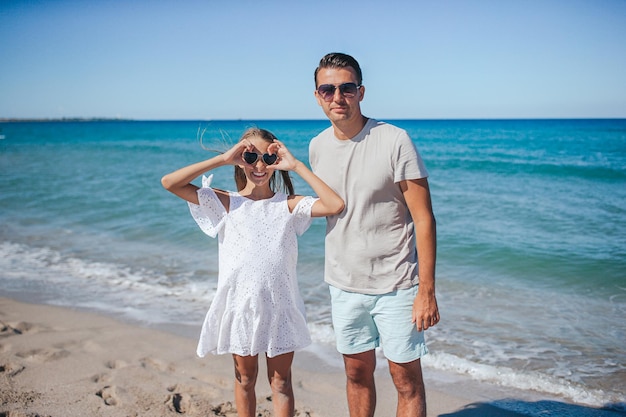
(360, 367)
(407, 378)
(409, 389)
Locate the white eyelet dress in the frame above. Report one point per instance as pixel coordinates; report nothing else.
(257, 307)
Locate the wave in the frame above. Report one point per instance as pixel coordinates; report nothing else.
(141, 294)
(523, 380)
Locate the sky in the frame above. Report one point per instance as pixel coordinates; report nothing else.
(254, 59)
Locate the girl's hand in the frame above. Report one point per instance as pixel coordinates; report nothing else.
(234, 156)
(286, 161)
(328, 203)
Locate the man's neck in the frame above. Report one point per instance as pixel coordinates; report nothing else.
(347, 129)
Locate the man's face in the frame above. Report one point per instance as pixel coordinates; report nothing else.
(340, 108)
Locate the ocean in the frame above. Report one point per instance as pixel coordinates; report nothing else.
(531, 221)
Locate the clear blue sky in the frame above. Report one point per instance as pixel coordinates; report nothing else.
(229, 59)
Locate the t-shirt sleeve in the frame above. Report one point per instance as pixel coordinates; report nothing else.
(302, 214)
(313, 153)
(409, 163)
(210, 213)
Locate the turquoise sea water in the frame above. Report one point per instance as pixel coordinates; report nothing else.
(531, 219)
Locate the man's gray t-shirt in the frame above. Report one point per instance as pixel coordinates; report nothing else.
(370, 246)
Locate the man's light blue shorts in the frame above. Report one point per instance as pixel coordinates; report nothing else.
(364, 322)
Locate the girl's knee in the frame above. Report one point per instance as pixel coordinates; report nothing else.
(247, 382)
(280, 383)
(246, 371)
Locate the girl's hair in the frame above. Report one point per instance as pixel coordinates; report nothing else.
(240, 177)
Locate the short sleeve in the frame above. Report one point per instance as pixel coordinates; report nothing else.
(302, 214)
(409, 163)
(210, 213)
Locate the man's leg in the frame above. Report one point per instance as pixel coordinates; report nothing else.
(360, 385)
(407, 377)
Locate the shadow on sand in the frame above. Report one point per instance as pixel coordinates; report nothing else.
(518, 408)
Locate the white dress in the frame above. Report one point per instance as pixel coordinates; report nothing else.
(257, 307)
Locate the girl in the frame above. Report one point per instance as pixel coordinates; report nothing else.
(257, 307)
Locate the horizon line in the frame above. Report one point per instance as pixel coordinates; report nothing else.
(123, 119)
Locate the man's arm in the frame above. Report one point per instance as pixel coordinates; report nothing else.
(417, 197)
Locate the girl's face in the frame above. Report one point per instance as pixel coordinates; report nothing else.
(258, 173)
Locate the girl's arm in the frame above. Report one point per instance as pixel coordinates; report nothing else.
(179, 181)
(329, 202)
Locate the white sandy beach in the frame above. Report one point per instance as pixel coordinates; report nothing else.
(60, 362)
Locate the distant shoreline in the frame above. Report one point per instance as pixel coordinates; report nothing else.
(64, 119)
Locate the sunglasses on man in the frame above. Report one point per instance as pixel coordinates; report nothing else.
(327, 91)
(251, 157)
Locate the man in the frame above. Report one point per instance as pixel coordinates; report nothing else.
(372, 246)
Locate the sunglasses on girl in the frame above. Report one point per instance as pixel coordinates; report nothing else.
(327, 91)
(251, 158)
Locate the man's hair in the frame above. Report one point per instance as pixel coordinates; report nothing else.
(339, 60)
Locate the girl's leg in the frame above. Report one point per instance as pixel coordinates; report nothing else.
(246, 371)
(279, 374)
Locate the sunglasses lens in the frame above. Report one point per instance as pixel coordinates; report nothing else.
(326, 91)
(249, 157)
(348, 89)
(269, 159)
